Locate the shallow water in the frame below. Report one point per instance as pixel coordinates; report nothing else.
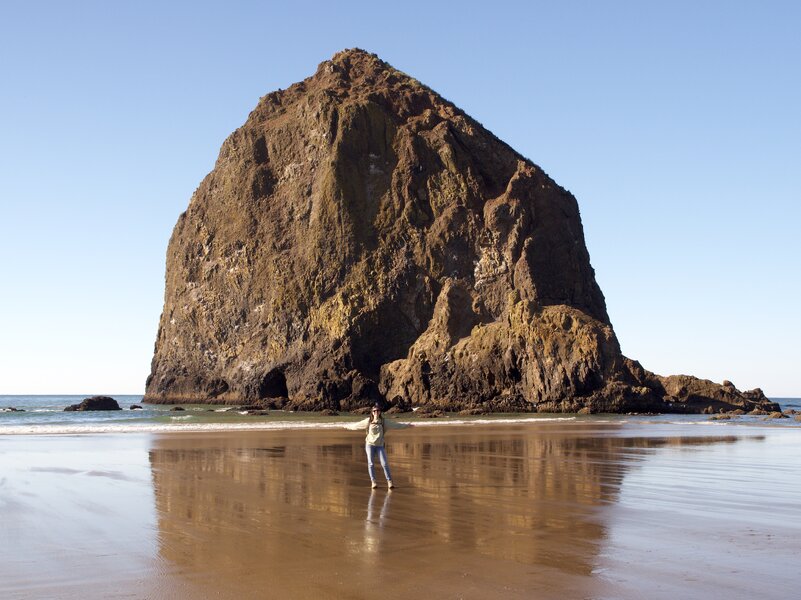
(575, 509)
(45, 415)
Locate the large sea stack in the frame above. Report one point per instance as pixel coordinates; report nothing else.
(361, 238)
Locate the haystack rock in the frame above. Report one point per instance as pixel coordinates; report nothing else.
(361, 238)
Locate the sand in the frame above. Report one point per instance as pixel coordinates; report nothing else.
(541, 510)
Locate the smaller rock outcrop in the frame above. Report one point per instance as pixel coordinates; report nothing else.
(687, 394)
(95, 403)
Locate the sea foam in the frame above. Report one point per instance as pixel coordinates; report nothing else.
(177, 427)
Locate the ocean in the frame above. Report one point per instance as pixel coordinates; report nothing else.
(45, 415)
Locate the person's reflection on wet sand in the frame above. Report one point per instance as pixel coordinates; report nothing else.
(374, 524)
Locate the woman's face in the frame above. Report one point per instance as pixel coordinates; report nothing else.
(376, 413)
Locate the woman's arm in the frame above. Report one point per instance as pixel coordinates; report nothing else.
(359, 425)
(392, 424)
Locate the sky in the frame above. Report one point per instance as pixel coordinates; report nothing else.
(675, 124)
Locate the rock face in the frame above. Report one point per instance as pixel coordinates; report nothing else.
(361, 238)
(95, 403)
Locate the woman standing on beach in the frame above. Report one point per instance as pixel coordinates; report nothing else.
(375, 425)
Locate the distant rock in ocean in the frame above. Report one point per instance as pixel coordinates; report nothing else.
(95, 403)
(362, 239)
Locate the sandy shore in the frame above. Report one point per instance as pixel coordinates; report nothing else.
(545, 510)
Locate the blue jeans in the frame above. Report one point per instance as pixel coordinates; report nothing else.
(382, 455)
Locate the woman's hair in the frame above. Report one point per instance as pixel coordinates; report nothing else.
(370, 421)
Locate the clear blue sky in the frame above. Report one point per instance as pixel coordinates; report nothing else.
(677, 125)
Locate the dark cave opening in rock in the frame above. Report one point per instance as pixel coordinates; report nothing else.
(273, 385)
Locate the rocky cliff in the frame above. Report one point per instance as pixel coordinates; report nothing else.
(361, 238)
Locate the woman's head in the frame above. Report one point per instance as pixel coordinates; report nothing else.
(376, 412)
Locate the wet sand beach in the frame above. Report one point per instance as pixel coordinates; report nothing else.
(534, 510)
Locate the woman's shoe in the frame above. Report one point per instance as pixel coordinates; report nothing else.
(390, 485)
(375, 485)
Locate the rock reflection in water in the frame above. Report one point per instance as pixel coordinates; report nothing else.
(294, 510)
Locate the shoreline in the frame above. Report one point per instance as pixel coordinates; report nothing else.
(291, 421)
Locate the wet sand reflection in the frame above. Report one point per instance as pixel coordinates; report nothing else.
(501, 512)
